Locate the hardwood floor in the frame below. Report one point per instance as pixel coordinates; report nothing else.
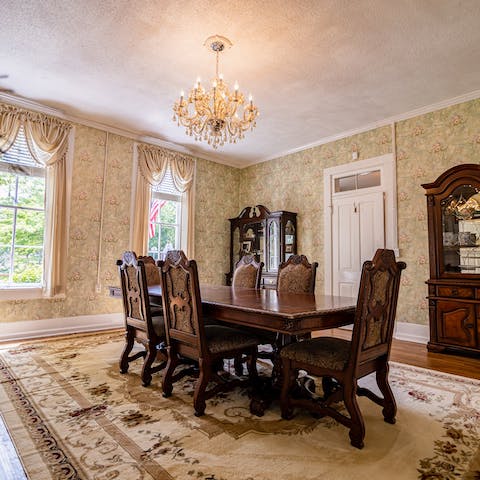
(10, 465)
(417, 354)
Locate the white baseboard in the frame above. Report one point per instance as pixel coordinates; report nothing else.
(412, 332)
(59, 326)
(409, 332)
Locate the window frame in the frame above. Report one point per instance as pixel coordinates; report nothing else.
(178, 198)
(27, 291)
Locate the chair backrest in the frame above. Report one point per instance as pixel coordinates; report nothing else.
(151, 270)
(182, 304)
(297, 275)
(376, 308)
(136, 302)
(248, 273)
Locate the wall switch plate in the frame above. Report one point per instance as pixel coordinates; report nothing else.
(354, 155)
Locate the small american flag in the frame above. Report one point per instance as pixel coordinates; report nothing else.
(154, 211)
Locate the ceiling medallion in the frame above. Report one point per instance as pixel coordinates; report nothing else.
(217, 115)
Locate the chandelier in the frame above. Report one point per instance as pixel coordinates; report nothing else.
(216, 115)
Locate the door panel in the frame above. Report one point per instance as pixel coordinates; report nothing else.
(358, 229)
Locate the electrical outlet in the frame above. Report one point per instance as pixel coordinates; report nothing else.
(98, 288)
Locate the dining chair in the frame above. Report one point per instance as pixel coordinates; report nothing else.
(142, 323)
(189, 338)
(153, 278)
(297, 275)
(247, 273)
(341, 363)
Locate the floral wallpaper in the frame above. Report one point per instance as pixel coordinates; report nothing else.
(426, 146)
(216, 200)
(87, 292)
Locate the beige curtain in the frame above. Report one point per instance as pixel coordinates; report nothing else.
(47, 140)
(10, 123)
(153, 163)
(183, 172)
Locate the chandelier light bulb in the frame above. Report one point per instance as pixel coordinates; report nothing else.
(218, 115)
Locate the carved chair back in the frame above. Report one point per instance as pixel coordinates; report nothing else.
(182, 304)
(151, 270)
(297, 275)
(248, 273)
(376, 308)
(136, 302)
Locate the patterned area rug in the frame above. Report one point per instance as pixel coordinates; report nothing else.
(73, 416)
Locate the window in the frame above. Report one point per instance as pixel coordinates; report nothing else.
(22, 217)
(165, 219)
(359, 180)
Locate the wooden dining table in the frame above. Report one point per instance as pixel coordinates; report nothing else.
(289, 314)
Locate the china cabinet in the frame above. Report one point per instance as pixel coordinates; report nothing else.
(270, 236)
(453, 204)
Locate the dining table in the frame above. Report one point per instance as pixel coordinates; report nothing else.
(290, 315)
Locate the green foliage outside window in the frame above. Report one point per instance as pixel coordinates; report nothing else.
(27, 192)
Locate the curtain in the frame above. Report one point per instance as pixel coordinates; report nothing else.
(10, 123)
(47, 139)
(153, 163)
(183, 172)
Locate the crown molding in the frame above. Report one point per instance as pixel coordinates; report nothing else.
(372, 126)
(136, 136)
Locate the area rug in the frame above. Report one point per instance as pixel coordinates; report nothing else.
(72, 415)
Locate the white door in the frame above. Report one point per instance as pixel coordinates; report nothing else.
(358, 229)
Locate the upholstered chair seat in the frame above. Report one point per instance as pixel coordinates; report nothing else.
(341, 363)
(323, 352)
(222, 339)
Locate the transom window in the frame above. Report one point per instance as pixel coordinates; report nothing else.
(22, 216)
(165, 218)
(359, 180)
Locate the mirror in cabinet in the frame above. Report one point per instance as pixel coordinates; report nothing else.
(269, 236)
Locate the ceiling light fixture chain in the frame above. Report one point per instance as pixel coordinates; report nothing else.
(213, 115)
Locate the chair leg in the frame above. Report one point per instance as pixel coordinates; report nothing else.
(129, 341)
(201, 386)
(288, 380)
(147, 364)
(238, 365)
(252, 365)
(389, 406)
(357, 426)
(172, 362)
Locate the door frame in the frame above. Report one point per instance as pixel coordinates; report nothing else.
(388, 174)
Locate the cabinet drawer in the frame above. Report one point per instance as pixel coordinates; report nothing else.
(458, 292)
(269, 282)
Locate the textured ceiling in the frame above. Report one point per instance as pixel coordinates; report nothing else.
(316, 68)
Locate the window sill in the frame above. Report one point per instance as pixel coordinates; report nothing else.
(20, 293)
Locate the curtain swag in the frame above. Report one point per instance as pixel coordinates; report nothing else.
(153, 163)
(47, 140)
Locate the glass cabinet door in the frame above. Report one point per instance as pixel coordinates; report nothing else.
(461, 231)
(273, 246)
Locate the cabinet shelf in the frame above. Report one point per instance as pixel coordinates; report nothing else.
(274, 239)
